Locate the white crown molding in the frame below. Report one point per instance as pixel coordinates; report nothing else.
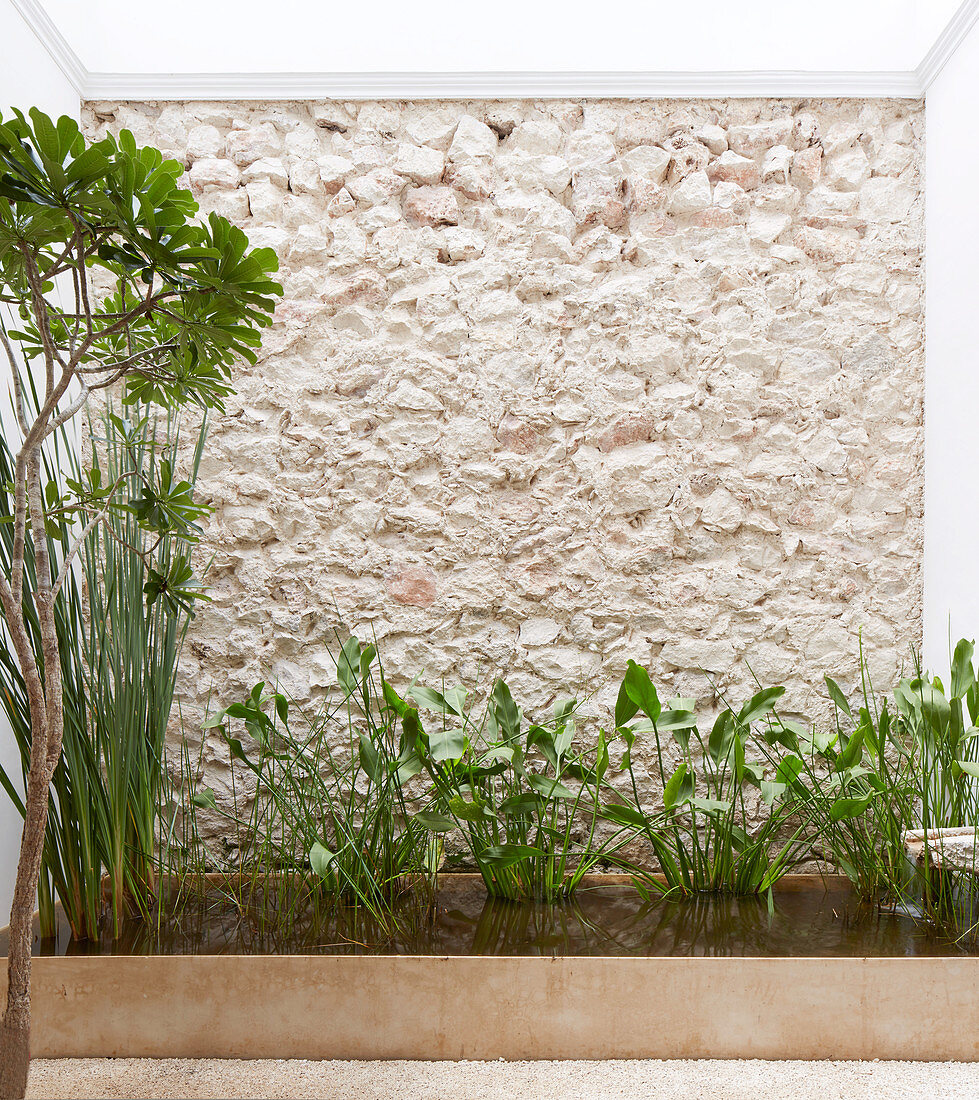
(947, 42)
(54, 42)
(489, 85)
(498, 85)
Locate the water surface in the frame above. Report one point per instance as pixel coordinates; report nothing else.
(809, 918)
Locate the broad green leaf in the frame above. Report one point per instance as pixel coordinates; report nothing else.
(678, 788)
(455, 699)
(321, 860)
(630, 739)
(823, 741)
(505, 711)
(447, 744)
(963, 676)
(771, 791)
(434, 822)
(721, 738)
(348, 666)
(759, 705)
(641, 691)
(564, 710)
(627, 816)
(625, 708)
(409, 765)
(498, 754)
(205, 799)
(549, 788)
(934, 708)
(281, 707)
(853, 752)
(506, 855)
(413, 731)
(710, 806)
(675, 720)
(470, 811)
(429, 699)
(601, 759)
(370, 759)
(521, 805)
(789, 769)
(753, 773)
(845, 808)
(563, 738)
(836, 694)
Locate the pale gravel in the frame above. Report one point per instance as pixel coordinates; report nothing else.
(134, 1078)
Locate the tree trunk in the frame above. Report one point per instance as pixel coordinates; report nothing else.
(15, 1031)
(47, 730)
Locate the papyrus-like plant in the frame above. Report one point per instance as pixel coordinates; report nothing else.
(106, 280)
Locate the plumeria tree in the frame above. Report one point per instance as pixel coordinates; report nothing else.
(108, 280)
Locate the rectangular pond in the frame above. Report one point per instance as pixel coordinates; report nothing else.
(605, 976)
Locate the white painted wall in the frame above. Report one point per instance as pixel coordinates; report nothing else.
(28, 78)
(509, 35)
(28, 75)
(951, 574)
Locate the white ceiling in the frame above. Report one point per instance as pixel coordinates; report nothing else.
(435, 36)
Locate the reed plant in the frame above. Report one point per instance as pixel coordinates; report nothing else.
(71, 864)
(132, 646)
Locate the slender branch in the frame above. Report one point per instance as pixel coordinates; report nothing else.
(44, 604)
(146, 552)
(127, 319)
(58, 266)
(15, 376)
(124, 364)
(39, 306)
(69, 412)
(105, 383)
(82, 275)
(74, 327)
(79, 541)
(20, 529)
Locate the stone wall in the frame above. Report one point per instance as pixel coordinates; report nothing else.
(557, 384)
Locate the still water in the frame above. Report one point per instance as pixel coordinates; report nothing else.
(809, 917)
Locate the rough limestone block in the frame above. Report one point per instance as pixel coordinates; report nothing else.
(432, 206)
(419, 163)
(472, 140)
(691, 195)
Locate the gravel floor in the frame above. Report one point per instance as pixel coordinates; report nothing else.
(134, 1079)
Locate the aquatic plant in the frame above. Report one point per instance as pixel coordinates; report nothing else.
(132, 646)
(703, 834)
(523, 795)
(941, 726)
(887, 768)
(331, 790)
(856, 782)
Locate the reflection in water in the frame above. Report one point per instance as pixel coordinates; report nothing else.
(808, 918)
